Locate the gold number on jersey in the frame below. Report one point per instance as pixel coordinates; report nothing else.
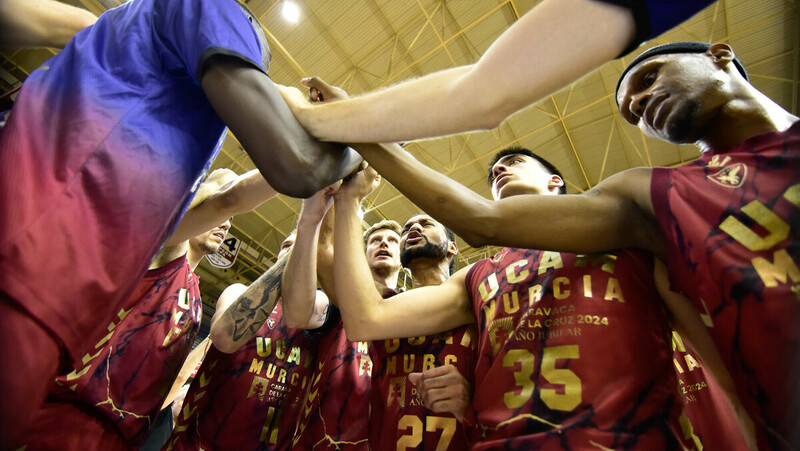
(572, 393)
(432, 423)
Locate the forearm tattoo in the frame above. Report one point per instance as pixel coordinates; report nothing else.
(249, 312)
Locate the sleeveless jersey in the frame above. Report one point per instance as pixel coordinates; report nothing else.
(250, 399)
(398, 420)
(731, 221)
(106, 143)
(129, 372)
(573, 352)
(335, 412)
(708, 420)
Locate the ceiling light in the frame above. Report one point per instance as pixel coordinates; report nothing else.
(290, 11)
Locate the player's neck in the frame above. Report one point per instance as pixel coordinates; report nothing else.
(169, 254)
(744, 118)
(426, 272)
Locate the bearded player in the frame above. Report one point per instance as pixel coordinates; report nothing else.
(726, 224)
(558, 332)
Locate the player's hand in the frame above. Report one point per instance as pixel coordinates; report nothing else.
(315, 207)
(361, 183)
(294, 98)
(321, 91)
(443, 389)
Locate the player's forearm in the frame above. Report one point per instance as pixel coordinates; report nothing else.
(40, 23)
(549, 47)
(422, 107)
(240, 322)
(456, 206)
(241, 195)
(299, 278)
(325, 257)
(355, 289)
(291, 160)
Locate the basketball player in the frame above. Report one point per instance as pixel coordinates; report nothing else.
(248, 398)
(726, 224)
(573, 349)
(397, 417)
(115, 394)
(102, 150)
(335, 413)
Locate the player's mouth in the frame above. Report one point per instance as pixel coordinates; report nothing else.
(499, 180)
(220, 235)
(385, 254)
(414, 238)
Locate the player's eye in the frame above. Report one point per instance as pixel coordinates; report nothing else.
(649, 78)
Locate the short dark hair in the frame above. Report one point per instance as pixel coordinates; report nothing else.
(387, 224)
(675, 47)
(517, 150)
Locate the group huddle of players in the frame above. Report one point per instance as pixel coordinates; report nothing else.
(658, 310)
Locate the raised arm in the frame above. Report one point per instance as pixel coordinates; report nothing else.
(366, 315)
(617, 213)
(549, 47)
(291, 160)
(240, 322)
(301, 301)
(241, 195)
(40, 23)
(612, 215)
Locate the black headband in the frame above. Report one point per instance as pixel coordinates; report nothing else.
(675, 47)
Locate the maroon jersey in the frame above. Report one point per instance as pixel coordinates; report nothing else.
(335, 413)
(398, 420)
(129, 372)
(708, 420)
(731, 221)
(573, 352)
(250, 399)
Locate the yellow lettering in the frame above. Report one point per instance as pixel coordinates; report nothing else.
(511, 272)
(606, 262)
(416, 340)
(362, 347)
(408, 363)
(182, 302)
(587, 285)
(549, 260)
(294, 355)
(256, 365)
(677, 342)
(282, 376)
(489, 311)
(280, 349)
(780, 270)
(513, 305)
(489, 293)
(450, 359)
(392, 345)
(391, 365)
(691, 363)
(534, 294)
(428, 362)
(613, 290)
(263, 346)
(778, 229)
(558, 292)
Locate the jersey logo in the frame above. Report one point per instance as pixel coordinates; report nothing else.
(499, 256)
(271, 323)
(730, 176)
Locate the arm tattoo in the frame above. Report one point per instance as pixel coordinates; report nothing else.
(249, 312)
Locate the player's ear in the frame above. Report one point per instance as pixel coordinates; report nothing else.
(721, 53)
(555, 182)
